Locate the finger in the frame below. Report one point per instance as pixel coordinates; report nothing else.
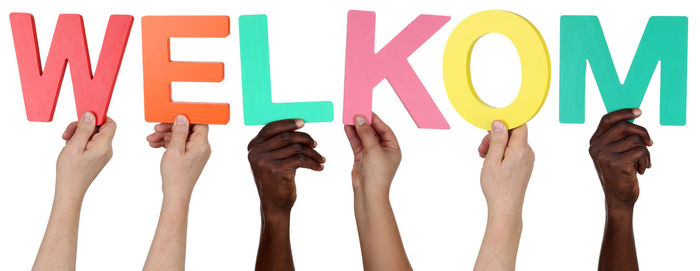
(519, 135)
(106, 132)
(200, 133)
(163, 127)
(296, 149)
(636, 156)
(155, 137)
(623, 129)
(83, 132)
(366, 133)
(353, 138)
(288, 138)
(626, 144)
(157, 144)
(181, 130)
(499, 141)
(612, 118)
(70, 130)
(388, 138)
(484, 146)
(645, 162)
(273, 128)
(301, 161)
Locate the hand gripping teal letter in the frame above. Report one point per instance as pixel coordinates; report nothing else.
(665, 39)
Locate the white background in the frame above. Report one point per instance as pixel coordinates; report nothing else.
(436, 195)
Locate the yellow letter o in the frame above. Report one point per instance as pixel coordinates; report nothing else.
(535, 65)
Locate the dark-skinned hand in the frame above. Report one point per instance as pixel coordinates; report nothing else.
(619, 150)
(274, 155)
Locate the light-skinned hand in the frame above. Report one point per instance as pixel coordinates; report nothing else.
(88, 149)
(377, 155)
(187, 153)
(508, 164)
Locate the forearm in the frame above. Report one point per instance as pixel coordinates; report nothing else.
(618, 251)
(380, 240)
(58, 248)
(275, 249)
(169, 243)
(499, 248)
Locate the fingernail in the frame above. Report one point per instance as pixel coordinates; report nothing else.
(315, 143)
(360, 120)
(651, 142)
(180, 119)
(299, 123)
(88, 117)
(637, 112)
(498, 126)
(323, 159)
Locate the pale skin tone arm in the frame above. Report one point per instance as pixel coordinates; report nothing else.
(187, 153)
(377, 157)
(508, 164)
(87, 151)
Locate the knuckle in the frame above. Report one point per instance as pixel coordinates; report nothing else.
(251, 157)
(297, 148)
(592, 150)
(286, 137)
(499, 140)
(206, 151)
(277, 171)
(108, 153)
(593, 140)
(636, 140)
(643, 129)
(262, 163)
(606, 160)
(251, 144)
(615, 163)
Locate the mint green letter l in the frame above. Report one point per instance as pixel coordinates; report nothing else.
(258, 108)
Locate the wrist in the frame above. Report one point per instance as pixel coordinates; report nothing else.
(65, 195)
(275, 214)
(66, 202)
(172, 198)
(505, 209)
(367, 192)
(372, 198)
(273, 221)
(619, 213)
(506, 218)
(175, 192)
(612, 204)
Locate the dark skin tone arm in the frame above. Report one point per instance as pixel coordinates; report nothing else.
(275, 154)
(619, 150)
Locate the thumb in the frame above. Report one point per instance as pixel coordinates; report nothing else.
(499, 142)
(181, 129)
(86, 126)
(366, 133)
